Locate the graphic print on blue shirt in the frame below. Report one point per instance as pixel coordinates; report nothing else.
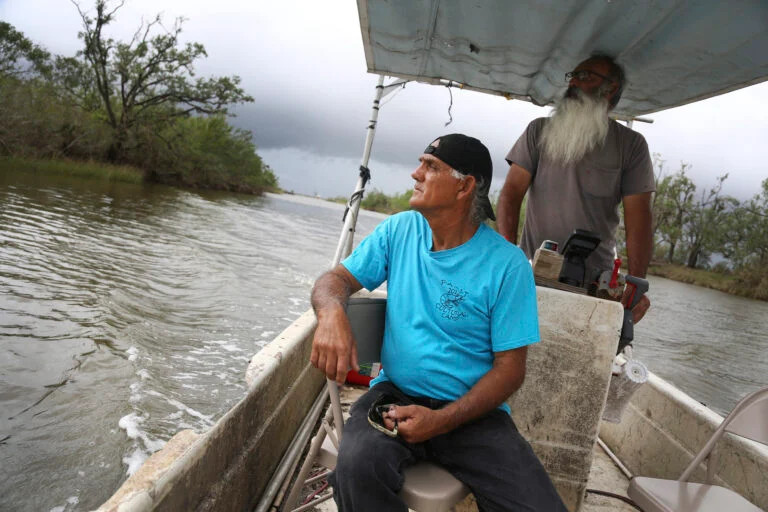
(450, 301)
(447, 311)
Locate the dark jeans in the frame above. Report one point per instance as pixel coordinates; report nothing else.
(488, 455)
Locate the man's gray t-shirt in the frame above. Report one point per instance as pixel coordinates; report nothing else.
(584, 195)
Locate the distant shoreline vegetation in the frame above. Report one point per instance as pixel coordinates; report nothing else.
(80, 169)
(377, 201)
(117, 109)
(743, 284)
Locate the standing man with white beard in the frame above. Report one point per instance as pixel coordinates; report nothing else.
(579, 165)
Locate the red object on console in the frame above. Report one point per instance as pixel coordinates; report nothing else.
(354, 377)
(615, 274)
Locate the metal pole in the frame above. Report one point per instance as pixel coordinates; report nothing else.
(314, 448)
(347, 233)
(338, 420)
(350, 239)
(614, 458)
(349, 223)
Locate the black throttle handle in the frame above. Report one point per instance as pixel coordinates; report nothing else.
(638, 287)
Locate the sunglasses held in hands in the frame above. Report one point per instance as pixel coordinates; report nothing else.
(380, 407)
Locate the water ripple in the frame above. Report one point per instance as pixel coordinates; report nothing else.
(129, 313)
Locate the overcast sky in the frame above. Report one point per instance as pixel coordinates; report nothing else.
(303, 63)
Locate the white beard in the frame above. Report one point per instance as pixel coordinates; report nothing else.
(577, 126)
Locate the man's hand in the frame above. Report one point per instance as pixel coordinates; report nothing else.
(333, 349)
(415, 423)
(640, 309)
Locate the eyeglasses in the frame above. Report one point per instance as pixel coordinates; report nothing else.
(376, 419)
(584, 75)
(377, 411)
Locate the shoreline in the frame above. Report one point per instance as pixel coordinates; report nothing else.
(73, 168)
(109, 173)
(726, 283)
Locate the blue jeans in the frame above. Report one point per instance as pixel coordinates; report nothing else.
(489, 455)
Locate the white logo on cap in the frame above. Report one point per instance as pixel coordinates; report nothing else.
(435, 143)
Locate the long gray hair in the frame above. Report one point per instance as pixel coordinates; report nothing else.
(476, 212)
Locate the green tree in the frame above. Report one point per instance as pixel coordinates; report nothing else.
(672, 205)
(19, 55)
(745, 240)
(203, 152)
(143, 84)
(378, 201)
(705, 222)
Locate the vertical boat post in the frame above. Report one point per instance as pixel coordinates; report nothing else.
(344, 246)
(343, 249)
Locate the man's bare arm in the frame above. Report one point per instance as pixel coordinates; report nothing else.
(638, 219)
(333, 348)
(638, 226)
(417, 423)
(510, 200)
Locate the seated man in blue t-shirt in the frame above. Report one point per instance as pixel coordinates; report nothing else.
(461, 310)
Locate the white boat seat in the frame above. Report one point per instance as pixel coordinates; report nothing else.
(427, 487)
(672, 496)
(431, 488)
(749, 418)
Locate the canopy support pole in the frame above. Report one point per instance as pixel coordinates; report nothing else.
(348, 231)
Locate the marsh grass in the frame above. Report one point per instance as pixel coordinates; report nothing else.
(73, 168)
(696, 276)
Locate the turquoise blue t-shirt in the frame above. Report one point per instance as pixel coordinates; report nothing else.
(447, 311)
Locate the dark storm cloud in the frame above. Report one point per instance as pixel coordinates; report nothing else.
(303, 127)
(404, 128)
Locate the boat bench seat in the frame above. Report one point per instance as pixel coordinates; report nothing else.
(748, 419)
(654, 494)
(427, 487)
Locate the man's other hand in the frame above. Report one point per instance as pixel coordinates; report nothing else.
(333, 349)
(415, 423)
(640, 309)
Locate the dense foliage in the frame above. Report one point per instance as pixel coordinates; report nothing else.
(136, 103)
(709, 230)
(378, 201)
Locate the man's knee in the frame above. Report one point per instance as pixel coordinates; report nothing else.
(368, 457)
(366, 452)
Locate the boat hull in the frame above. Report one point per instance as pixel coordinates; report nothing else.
(662, 430)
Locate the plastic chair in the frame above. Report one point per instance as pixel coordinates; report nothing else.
(748, 419)
(427, 487)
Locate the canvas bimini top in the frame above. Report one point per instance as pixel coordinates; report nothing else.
(675, 52)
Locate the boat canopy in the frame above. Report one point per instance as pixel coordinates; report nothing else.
(674, 52)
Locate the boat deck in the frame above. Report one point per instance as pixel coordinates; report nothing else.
(604, 476)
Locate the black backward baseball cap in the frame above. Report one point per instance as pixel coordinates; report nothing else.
(468, 156)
